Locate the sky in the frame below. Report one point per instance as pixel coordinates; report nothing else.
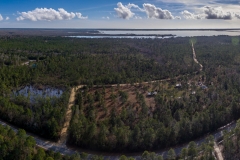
(121, 14)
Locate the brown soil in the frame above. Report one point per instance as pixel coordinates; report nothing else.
(68, 116)
(131, 90)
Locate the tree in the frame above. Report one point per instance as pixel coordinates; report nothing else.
(145, 155)
(123, 157)
(184, 153)
(97, 157)
(192, 150)
(171, 154)
(75, 156)
(40, 154)
(84, 155)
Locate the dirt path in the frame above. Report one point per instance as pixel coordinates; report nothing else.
(68, 116)
(195, 58)
(218, 152)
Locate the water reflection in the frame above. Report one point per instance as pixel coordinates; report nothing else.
(159, 34)
(33, 93)
(181, 33)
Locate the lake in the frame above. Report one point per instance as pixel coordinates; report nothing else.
(152, 34)
(178, 33)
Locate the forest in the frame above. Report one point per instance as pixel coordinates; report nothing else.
(24, 147)
(170, 121)
(20, 146)
(63, 62)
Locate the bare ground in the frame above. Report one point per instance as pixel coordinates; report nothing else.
(218, 152)
(68, 116)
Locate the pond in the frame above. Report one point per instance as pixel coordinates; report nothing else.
(33, 92)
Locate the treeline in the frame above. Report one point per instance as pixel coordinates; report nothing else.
(23, 147)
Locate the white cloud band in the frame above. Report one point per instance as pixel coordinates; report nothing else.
(50, 14)
(151, 11)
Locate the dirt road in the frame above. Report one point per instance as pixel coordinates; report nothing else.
(68, 116)
(218, 152)
(195, 58)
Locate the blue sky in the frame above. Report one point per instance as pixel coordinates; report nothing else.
(120, 14)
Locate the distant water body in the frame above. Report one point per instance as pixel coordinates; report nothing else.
(159, 33)
(180, 33)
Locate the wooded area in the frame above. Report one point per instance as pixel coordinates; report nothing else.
(174, 120)
(66, 62)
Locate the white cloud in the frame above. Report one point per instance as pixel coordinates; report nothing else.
(124, 12)
(46, 14)
(1, 18)
(208, 12)
(7, 18)
(106, 18)
(237, 15)
(131, 5)
(177, 17)
(188, 15)
(154, 12)
(137, 17)
(217, 13)
(200, 11)
(79, 15)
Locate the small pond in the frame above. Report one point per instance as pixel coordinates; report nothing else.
(34, 92)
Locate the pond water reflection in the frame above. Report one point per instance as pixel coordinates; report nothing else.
(32, 92)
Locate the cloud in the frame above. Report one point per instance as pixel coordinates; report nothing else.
(124, 12)
(154, 12)
(177, 17)
(137, 17)
(50, 14)
(79, 15)
(131, 5)
(208, 12)
(188, 15)
(237, 16)
(7, 18)
(106, 18)
(217, 13)
(1, 18)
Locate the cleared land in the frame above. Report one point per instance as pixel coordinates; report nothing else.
(68, 116)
